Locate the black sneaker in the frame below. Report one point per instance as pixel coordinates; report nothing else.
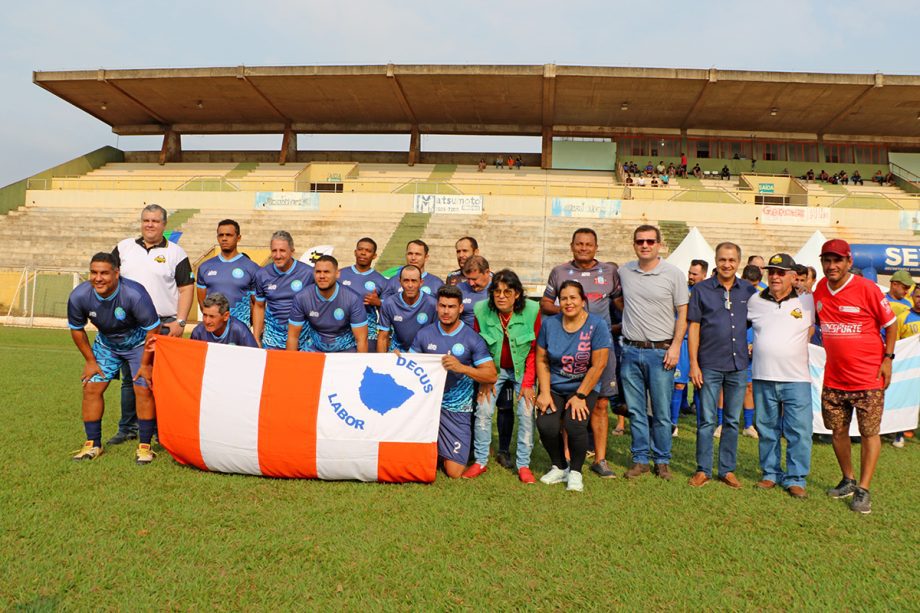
(503, 459)
(121, 437)
(844, 489)
(602, 470)
(861, 502)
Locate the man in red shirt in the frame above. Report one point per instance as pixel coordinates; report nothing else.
(851, 311)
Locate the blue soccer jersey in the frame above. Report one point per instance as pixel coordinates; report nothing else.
(277, 290)
(234, 278)
(430, 284)
(465, 345)
(470, 299)
(235, 333)
(570, 352)
(403, 321)
(123, 319)
(363, 283)
(329, 321)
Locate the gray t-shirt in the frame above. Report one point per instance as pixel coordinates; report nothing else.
(600, 282)
(650, 300)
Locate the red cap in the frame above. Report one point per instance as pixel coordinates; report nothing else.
(836, 246)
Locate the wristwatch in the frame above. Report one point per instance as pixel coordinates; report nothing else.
(580, 396)
(889, 355)
(181, 323)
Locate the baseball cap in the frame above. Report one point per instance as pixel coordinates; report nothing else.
(781, 261)
(836, 246)
(902, 276)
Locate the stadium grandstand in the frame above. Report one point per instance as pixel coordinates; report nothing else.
(752, 141)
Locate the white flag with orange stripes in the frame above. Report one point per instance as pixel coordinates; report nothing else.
(370, 417)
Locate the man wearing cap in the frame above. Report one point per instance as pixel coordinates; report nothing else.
(851, 310)
(898, 295)
(717, 343)
(782, 320)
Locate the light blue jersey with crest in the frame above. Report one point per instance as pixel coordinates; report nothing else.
(329, 321)
(465, 345)
(234, 278)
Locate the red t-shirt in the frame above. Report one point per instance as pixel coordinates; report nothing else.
(851, 319)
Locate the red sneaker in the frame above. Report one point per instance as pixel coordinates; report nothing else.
(526, 476)
(474, 471)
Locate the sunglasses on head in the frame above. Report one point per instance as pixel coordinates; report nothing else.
(645, 241)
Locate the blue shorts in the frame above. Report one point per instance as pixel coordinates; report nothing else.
(455, 436)
(682, 371)
(111, 360)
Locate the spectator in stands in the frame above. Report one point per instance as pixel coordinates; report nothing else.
(217, 326)
(672, 170)
(367, 284)
(782, 321)
(509, 324)
(640, 182)
(858, 367)
(822, 176)
(482, 164)
(510, 162)
(810, 175)
(277, 283)
(654, 181)
(601, 283)
(856, 178)
(230, 272)
(654, 305)
(833, 179)
(889, 178)
(499, 161)
(665, 180)
(843, 178)
(518, 162)
(878, 178)
(649, 169)
(726, 173)
(465, 248)
(417, 255)
(697, 171)
(163, 268)
(571, 357)
(660, 168)
(125, 318)
(718, 362)
(629, 179)
(634, 168)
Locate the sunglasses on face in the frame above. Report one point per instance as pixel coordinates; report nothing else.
(645, 241)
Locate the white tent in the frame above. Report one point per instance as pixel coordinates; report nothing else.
(810, 253)
(693, 247)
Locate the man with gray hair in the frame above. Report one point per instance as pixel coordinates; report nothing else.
(163, 268)
(217, 326)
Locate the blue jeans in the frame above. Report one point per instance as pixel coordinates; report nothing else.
(482, 424)
(784, 410)
(644, 375)
(733, 385)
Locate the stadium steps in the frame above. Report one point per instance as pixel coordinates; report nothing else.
(672, 233)
(411, 226)
(438, 182)
(242, 169)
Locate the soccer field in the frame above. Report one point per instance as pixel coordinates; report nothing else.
(109, 534)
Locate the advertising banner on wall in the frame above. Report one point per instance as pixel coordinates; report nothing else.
(795, 215)
(287, 201)
(598, 208)
(462, 204)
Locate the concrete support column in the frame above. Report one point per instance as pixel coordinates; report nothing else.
(415, 146)
(546, 159)
(288, 147)
(820, 148)
(171, 151)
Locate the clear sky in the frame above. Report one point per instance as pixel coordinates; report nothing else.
(39, 130)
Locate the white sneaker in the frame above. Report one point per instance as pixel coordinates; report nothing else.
(674, 432)
(898, 443)
(576, 483)
(718, 432)
(750, 431)
(555, 475)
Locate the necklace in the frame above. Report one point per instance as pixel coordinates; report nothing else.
(504, 321)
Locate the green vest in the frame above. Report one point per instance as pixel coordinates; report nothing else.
(520, 333)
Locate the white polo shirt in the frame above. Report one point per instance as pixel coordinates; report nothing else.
(162, 270)
(781, 333)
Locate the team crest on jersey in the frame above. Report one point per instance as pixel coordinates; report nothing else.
(797, 313)
(160, 259)
(296, 285)
(458, 349)
(120, 314)
(339, 314)
(237, 273)
(420, 318)
(370, 286)
(819, 306)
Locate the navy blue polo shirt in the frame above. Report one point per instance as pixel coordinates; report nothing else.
(723, 324)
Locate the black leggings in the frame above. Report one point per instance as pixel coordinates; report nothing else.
(550, 426)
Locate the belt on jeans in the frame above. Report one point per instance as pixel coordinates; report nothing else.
(649, 344)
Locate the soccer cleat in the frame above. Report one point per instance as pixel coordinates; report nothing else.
(525, 475)
(474, 471)
(89, 451)
(555, 475)
(846, 487)
(861, 502)
(601, 469)
(750, 431)
(575, 482)
(144, 454)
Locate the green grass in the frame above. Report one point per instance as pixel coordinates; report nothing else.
(109, 534)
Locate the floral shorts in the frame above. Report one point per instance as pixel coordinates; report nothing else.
(837, 408)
